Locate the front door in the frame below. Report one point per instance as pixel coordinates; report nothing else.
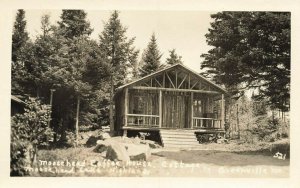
(175, 110)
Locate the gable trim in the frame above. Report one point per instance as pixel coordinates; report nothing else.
(168, 68)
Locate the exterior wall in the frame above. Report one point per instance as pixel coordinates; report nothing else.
(16, 108)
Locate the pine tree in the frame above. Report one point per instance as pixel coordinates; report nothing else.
(20, 44)
(150, 58)
(174, 58)
(120, 53)
(73, 49)
(74, 24)
(251, 50)
(19, 37)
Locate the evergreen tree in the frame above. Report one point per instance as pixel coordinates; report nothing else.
(251, 51)
(72, 49)
(120, 53)
(20, 43)
(74, 24)
(174, 58)
(19, 37)
(150, 58)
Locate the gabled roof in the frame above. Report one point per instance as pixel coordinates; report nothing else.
(170, 68)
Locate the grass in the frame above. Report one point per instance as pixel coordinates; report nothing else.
(234, 154)
(223, 158)
(82, 162)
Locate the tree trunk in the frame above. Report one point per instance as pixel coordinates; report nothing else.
(111, 114)
(51, 101)
(37, 92)
(237, 120)
(77, 120)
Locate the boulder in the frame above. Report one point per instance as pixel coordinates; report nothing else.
(151, 143)
(101, 146)
(136, 140)
(138, 152)
(117, 152)
(124, 149)
(92, 141)
(104, 136)
(120, 139)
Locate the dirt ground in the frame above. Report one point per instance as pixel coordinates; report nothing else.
(207, 160)
(212, 163)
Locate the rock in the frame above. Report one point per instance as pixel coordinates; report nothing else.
(120, 139)
(118, 152)
(101, 146)
(92, 141)
(138, 152)
(151, 143)
(104, 136)
(222, 141)
(124, 149)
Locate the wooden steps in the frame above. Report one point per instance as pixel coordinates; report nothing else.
(178, 138)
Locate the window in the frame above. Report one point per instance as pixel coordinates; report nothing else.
(197, 108)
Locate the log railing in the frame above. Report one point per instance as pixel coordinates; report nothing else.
(199, 122)
(142, 120)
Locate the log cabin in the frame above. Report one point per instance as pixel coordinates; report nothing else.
(175, 102)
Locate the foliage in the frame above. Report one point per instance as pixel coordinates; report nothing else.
(119, 53)
(251, 119)
(20, 41)
(150, 58)
(251, 50)
(73, 24)
(117, 49)
(65, 59)
(19, 37)
(271, 129)
(174, 58)
(29, 128)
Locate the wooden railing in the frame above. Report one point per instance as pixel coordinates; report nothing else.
(142, 120)
(199, 122)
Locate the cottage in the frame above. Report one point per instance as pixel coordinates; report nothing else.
(176, 102)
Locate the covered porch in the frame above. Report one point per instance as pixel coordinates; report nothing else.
(173, 98)
(171, 109)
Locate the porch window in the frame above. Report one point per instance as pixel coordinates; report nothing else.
(198, 108)
(143, 109)
(143, 103)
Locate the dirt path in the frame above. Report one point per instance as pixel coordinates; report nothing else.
(199, 163)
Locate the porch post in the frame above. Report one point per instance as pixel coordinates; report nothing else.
(126, 106)
(222, 112)
(192, 110)
(160, 108)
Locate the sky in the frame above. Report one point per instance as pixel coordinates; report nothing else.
(181, 30)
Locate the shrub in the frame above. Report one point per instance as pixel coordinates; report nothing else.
(28, 131)
(270, 129)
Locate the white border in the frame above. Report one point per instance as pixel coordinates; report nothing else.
(6, 21)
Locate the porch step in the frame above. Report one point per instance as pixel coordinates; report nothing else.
(178, 138)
